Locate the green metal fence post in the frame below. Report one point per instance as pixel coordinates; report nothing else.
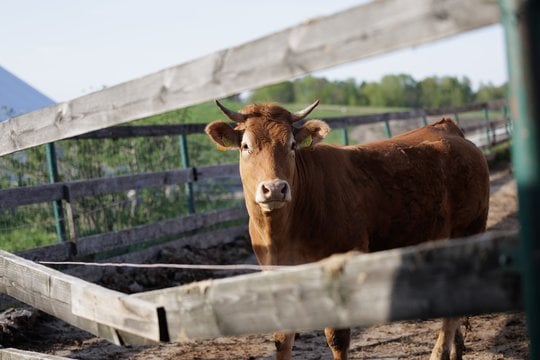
(521, 22)
(424, 120)
(58, 210)
(345, 136)
(387, 130)
(506, 120)
(185, 164)
(456, 117)
(488, 128)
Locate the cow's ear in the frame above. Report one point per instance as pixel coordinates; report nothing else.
(311, 133)
(223, 135)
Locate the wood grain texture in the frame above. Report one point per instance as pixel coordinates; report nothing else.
(104, 242)
(438, 279)
(109, 241)
(10, 198)
(16, 354)
(90, 307)
(366, 30)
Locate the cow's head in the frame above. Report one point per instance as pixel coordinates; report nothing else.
(268, 144)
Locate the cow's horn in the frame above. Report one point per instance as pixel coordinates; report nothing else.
(233, 115)
(299, 115)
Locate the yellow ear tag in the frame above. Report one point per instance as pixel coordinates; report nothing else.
(306, 142)
(227, 142)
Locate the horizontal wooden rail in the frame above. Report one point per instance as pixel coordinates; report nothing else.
(80, 303)
(118, 132)
(345, 121)
(95, 244)
(113, 240)
(10, 198)
(439, 279)
(16, 354)
(481, 125)
(356, 33)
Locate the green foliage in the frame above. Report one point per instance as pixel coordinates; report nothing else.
(30, 226)
(487, 92)
(282, 93)
(399, 90)
(26, 227)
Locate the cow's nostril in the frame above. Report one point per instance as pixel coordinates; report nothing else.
(284, 189)
(265, 189)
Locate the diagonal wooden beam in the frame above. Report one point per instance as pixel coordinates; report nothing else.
(357, 33)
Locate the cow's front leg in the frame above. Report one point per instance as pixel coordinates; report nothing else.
(338, 340)
(284, 343)
(449, 344)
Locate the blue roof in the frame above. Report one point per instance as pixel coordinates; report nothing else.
(17, 97)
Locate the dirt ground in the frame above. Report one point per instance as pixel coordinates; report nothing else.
(496, 336)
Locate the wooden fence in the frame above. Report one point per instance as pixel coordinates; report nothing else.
(65, 193)
(320, 43)
(347, 290)
(469, 276)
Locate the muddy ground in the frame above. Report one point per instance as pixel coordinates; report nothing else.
(496, 336)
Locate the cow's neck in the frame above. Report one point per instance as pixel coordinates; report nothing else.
(279, 236)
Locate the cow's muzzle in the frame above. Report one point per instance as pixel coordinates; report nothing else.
(272, 194)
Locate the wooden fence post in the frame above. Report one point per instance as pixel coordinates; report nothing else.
(185, 164)
(71, 214)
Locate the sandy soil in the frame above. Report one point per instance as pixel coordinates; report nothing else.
(496, 336)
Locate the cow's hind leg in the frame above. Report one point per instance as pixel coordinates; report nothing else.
(449, 345)
(284, 343)
(338, 340)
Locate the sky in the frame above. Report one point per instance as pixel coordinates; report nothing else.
(68, 48)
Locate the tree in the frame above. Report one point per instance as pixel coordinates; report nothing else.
(487, 92)
(282, 92)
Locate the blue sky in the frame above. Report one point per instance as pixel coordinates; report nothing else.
(67, 48)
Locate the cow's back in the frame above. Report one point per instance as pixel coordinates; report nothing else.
(432, 183)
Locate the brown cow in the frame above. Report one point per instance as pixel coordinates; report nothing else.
(307, 201)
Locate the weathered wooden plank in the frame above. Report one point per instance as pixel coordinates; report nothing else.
(109, 241)
(100, 186)
(186, 129)
(357, 33)
(56, 252)
(202, 241)
(119, 132)
(16, 354)
(11, 198)
(458, 277)
(480, 125)
(100, 243)
(87, 306)
(336, 122)
(216, 172)
(345, 121)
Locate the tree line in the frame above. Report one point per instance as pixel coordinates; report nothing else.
(400, 90)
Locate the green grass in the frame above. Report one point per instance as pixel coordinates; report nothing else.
(201, 151)
(206, 112)
(26, 238)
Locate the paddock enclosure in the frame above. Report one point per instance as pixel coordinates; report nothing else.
(494, 272)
